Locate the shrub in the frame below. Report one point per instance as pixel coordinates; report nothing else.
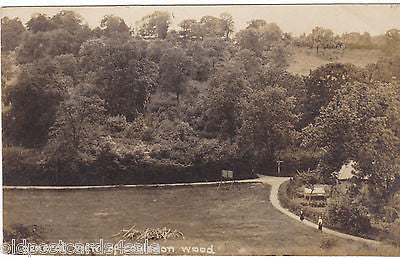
(21, 166)
(390, 214)
(295, 207)
(348, 217)
(314, 203)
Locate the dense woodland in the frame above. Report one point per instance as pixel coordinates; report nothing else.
(122, 105)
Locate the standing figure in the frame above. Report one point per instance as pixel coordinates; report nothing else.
(320, 223)
(301, 215)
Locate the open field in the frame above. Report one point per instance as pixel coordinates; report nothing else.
(236, 221)
(303, 59)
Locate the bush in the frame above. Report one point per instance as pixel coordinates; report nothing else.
(21, 166)
(293, 206)
(390, 214)
(348, 217)
(314, 203)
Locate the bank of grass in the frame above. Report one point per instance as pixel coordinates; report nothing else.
(304, 59)
(237, 220)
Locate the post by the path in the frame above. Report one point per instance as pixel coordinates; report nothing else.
(279, 166)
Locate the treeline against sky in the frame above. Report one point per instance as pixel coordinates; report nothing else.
(114, 105)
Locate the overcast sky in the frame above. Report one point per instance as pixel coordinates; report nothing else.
(296, 19)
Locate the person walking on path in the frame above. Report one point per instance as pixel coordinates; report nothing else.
(320, 223)
(301, 215)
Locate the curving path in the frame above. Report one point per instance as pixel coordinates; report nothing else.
(275, 183)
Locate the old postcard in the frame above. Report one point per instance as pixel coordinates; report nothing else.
(201, 130)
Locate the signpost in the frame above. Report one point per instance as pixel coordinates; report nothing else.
(279, 166)
(226, 175)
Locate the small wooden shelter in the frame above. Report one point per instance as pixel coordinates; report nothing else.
(318, 193)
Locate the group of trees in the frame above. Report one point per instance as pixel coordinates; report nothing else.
(322, 38)
(118, 105)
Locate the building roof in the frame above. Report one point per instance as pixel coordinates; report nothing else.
(318, 190)
(347, 171)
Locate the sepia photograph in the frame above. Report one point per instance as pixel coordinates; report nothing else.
(212, 130)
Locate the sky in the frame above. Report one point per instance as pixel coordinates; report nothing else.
(297, 19)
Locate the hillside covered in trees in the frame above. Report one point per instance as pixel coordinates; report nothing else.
(122, 105)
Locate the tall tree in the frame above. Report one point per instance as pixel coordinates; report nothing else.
(212, 26)
(40, 23)
(260, 36)
(227, 23)
(392, 38)
(323, 83)
(155, 25)
(360, 123)
(191, 29)
(11, 33)
(76, 137)
(228, 86)
(320, 37)
(32, 99)
(123, 74)
(113, 25)
(268, 125)
(175, 69)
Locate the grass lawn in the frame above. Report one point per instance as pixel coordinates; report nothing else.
(303, 59)
(236, 221)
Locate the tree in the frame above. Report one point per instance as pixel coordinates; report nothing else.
(256, 24)
(201, 60)
(309, 178)
(360, 123)
(72, 23)
(9, 69)
(356, 40)
(11, 33)
(40, 23)
(322, 84)
(32, 100)
(385, 70)
(219, 51)
(76, 136)
(228, 24)
(156, 49)
(114, 26)
(392, 37)
(62, 34)
(259, 36)
(68, 20)
(249, 39)
(267, 127)
(191, 29)
(80, 118)
(123, 75)
(175, 69)
(155, 25)
(348, 216)
(227, 86)
(320, 37)
(213, 26)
